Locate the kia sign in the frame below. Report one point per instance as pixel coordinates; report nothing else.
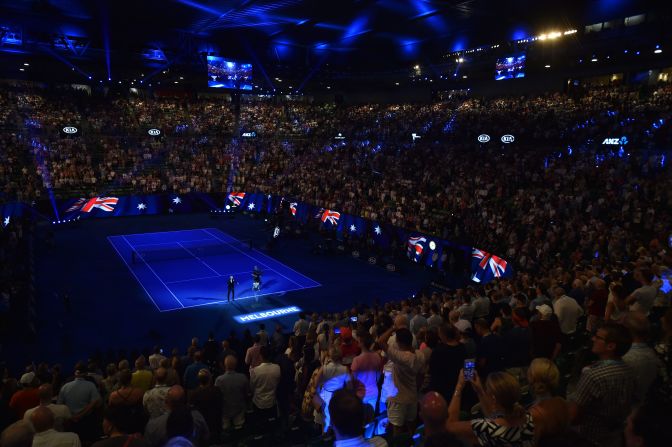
(154, 132)
(507, 138)
(70, 130)
(616, 141)
(483, 138)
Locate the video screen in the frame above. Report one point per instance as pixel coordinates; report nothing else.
(511, 67)
(229, 74)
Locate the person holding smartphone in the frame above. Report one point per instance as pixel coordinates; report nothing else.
(505, 421)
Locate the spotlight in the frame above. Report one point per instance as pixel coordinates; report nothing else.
(22, 69)
(26, 64)
(547, 66)
(594, 59)
(657, 50)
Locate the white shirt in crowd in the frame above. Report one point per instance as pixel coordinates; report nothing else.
(264, 380)
(568, 312)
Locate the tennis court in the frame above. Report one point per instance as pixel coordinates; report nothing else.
(189, 268)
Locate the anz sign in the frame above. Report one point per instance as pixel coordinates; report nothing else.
(616, 141)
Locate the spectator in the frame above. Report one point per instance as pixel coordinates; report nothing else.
(207, 399)
(82, 398)
(490, 350)
(641, 358)
(45, 435)
(568, 312)
(235, 389)
(545, 334)
(252, 356)
(642, 298)
(434, 414)
(61, 412)
(347, 416)
(648, 425)
(157, 429)
(366, 369)
(505, 421)
(156, 358)
(264, 381)
(116, 426)
(142, 377)
(517, 342)
(605, 391)
(349, 346)
(333, 376)
(19, 434)
(191, 372)
(550, 413)
(617, 306)
(154, 400)
(26, 397)
(446, 361)
(407, 363)
(301, 329)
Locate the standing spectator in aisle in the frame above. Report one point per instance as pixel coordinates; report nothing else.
(641, 358)
(156, 432)
(347, 416)
(605, 392)
(27, 397)
(156, 358)
(490, 350)
(82, 398)
(191, 373)
(568, 312)
(264, 381)
(301, 329)
(642, 298)
(407, 364)
(61, 412)
(235, 389)
(142, 377)
(207, 399)
(154, 400)
(366, 370)
(45, 435)
(545, 334)
(446, 361)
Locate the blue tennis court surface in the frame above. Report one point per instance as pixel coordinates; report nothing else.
(188, 268)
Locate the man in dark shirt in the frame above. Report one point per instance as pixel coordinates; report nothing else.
(446, 361)
(207, 399)
(490, 349)
(546, 337)
(517, 340)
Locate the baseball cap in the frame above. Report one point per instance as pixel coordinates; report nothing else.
(545, 310)
(27, 378)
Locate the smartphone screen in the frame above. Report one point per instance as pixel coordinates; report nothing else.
(469, 368)
(337, 330)
(353, 319)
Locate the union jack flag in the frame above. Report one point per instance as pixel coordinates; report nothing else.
(86, 206)
(331, 216)
(292, 208)
(237, 198)
(415, 246)
(487, 266)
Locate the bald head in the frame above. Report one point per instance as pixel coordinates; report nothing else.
(45, 393)
(434, 412)
(19, 434)
(161, 374)
(42, 419)
(176, 397)
(230, 363)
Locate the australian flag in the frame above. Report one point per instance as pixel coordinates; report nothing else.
(330, 217)
(236, 198)
(352, 225)
(415, 247)
(485, 267)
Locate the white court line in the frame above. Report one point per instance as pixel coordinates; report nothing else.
(245, 298)
(133, 273)
(274, 260)
(157, 276)
(168, 243)
(206, 277)
(163, 232)
(202, 261)
(256, 260)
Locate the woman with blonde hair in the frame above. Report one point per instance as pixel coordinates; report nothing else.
(551, 414)
(505, 421)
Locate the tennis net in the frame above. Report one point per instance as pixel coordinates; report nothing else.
(187, 250)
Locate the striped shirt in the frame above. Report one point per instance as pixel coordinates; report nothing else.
(492, 434)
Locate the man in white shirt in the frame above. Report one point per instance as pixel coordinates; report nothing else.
(264, 380)
(61, 412)
(567, 310)
(642, 298)
(154, 400)
(45, 435)
(155, 359)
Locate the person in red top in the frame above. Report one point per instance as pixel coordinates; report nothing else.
(349, 346)
(27, 397)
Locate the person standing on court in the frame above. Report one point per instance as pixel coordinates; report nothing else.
(231, 294)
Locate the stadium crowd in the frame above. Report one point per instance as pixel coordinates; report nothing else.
(574, 351)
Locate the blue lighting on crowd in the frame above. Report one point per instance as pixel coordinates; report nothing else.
(662, 161)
